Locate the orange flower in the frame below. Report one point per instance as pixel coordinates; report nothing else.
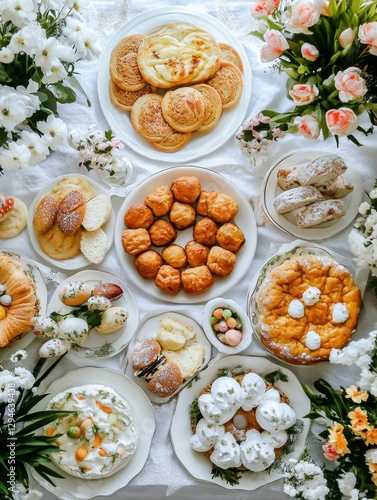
(373, 471)
(355, 394)
(359, 419)
(371, 436)
(337, 439)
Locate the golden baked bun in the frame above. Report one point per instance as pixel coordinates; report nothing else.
(197, 254)
(162, 232)
(182, 215)
(205, 197)
(138, 216)
(148, 263)
(222, 208)
(25, 304)
(213, 107)
(205, 231)
(186, 188)
(228, 82)
(148, 120)
(168, 279)
(230, 237)
(135, 241)
(15, 220)
(230, 54)
(196, 280)
(125, 99)
(120, 71)
(71, 183)
(71, 212)
(175, 256)
(177, 54)
(45, 214)
(220, 261)
(59, 245)
(144, 353)
(308, 305)
(160, 200)
(166, 380)
(183, 109)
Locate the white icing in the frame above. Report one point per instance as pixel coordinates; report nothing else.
(272, 395)
(276, 439)
(273, 416)
(296, 309)
(206, 435)
(256, 454)
(340, 313)
(311, 295)
(223, 402)
(254, 388)
(226, 452)
(312, 340)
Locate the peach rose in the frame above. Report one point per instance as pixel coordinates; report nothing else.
(263, 7)
(330, 452)
(309, 51)
(346, 37)
(342, 121)
(303, 16)
(350, 84)
(308, 126)
(368, 35)
(303, 94)
(276, 44)
(322, 6)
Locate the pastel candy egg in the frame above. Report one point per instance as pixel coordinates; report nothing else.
(233, 337)
(53, 348)
(74, 293)
(44, 327)
(112, 320)
(73, 330)
(98, 302)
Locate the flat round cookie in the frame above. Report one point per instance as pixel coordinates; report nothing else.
(59, 245)
(15, 221)
(122, 63)
(213, 107)
(229, 54)
(183, 109)
(173, 142)
(148, 120)
(68, 184)
(125, 99)
(228, 82)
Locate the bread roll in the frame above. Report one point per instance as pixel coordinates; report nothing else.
(45, 214)
(71, 212)
(166, 380)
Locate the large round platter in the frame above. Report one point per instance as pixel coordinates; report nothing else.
(33, 271)
(245, 219)
(73, 488)
(101, 345)
(79, 261)
(270, 189)
(199, 144)
(196, 463)
(148, 329)
(276, 260)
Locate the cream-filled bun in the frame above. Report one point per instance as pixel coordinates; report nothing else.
(75, 293)
(112, 320)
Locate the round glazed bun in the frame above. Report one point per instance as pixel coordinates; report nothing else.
(166, 380)
(144, 353)
(75, 293)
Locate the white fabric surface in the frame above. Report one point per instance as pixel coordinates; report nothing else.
(163, 475)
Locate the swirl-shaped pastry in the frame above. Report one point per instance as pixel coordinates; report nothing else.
(183, 109)
(122, 66)
(228, 82)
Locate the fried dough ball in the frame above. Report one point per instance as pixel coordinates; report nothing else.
(220, 261)
(197, 254)
(230, 237)
(206, 196)
(222, 209)
(168, 279)
(196, 280)
(205, 231)
(162, 232)
(160, 200)
(182, 215)
(186, 188)
(135, 241)
(148, 263)
(138, 216)
(175, 256)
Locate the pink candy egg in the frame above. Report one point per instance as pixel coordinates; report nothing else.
(233, 337)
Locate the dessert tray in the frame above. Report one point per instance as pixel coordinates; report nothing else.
(196, 463)
(100, 345)
(73, 488)
(79, 261)
(199, 144)
(245, 219)
(148, 329)
(270, 189)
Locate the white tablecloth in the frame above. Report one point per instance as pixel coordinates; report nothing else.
(163, 475)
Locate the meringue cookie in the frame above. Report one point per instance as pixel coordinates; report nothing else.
(212, 411)
(227, 392)
(206, 435)
(226, 452)
(256, 455)
(272, 416)
(254, 388)
(311, 295)
(340, 313)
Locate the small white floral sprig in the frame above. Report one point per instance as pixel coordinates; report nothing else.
(18, 378)
(363, 237)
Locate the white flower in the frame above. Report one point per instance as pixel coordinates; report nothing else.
(24, 377)
(364, 207)
(86, 44)
(347, 483)
(371, 455)
(19, 12)
(18, 356)
(21, 493)
(13, 108)
(27, 39)
(51, 52)
(38, 149)
(54, 131)
(6, 55)
(55, 74)
(16, 157)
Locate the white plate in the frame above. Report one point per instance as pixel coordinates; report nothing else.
(148, 329)
(245, 219)
(101, 345)
(200, 466)
(270, 189)
(31, 267)
(276, 260)
(74, 488)
(79, 261)
(199, 144)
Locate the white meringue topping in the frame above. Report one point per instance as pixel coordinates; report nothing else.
(312, 340)
(272, 416)
(256, 455)
(296, 309)
(340, 313)
(226, 452)
(254, 388)
(206, 435)
(311, 295)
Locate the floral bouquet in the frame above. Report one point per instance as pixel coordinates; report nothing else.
(363, 238)
(350, 438)
(328, 50)
(40, 42)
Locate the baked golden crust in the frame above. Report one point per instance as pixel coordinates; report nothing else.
(166, 380)
(168, 279)
(228, 82)
(24, 304)
(71, 212)
(230, 237)
(125, 99)
(175, 256)
(173, 142)
(177, 54)
(205, 197)
(135, 241)
(230, 54)
(196, 280)
(287, 336)
(45, 214)
(160, 200)
(119, 61)
(59, 245)
(137, 216)
(71, 183)
(162, 232)
(213, 107)
(222, 208)
(182, 215)
(197, 253)
(148, 263)
(205, 231)
(147, 118)
(186, 188)
(220, 261)
(183, 109)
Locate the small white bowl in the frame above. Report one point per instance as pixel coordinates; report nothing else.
(211, 335)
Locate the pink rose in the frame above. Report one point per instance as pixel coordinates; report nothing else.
(342, 121)
(309, 51)
(302, 16)
(276, 44)
(263, 7)
(308, 126)
(346, 37)
(303, 94)
(330, 452)
(350, 84)
(368, 35)
(322, 6)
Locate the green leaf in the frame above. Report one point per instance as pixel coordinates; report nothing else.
(72, 80)
(354, 140)
(63, 94)
(50, 417)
